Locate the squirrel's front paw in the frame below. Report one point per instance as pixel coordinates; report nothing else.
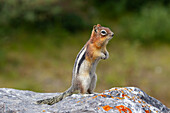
(105, 55)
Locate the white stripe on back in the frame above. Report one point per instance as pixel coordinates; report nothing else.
(78, 59)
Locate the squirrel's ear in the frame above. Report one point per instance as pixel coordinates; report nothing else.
(95, 28)
(98, 25)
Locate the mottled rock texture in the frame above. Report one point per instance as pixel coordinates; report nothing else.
(115, 100)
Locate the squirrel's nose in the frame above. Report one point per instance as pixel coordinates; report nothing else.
(112, 34)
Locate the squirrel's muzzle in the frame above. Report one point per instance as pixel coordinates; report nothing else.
(112, 34)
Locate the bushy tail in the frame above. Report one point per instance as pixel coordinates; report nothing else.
(53, 100)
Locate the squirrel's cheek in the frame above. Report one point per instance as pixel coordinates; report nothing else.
(102, 39)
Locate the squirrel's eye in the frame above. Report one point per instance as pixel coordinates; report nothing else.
(103, 32)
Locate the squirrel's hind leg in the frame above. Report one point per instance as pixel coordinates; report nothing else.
(92, 84)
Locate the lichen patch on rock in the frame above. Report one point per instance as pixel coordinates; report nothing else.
(117, 100)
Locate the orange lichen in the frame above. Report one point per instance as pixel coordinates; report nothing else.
(120, 97)
(80, 101)
(102, 95)
(99, 95)
(98, 108)
(147, 111)
(94, 97)
(124, 109)
(43, 111)
(144, 105)
(133, 98)
(128, 97)
(130, 90)
(107, 107)
(112, 97)
(123, 95)
(139, 101)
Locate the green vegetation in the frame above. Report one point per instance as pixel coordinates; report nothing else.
(150, 25)
(40, 39)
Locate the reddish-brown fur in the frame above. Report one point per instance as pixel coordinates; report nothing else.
(97, 42)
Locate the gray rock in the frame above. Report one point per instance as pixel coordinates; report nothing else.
(127, 99)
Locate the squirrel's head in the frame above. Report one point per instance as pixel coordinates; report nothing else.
(101, 35)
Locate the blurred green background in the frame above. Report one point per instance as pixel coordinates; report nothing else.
(39, 40)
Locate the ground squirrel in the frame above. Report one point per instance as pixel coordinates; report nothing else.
(83, 76)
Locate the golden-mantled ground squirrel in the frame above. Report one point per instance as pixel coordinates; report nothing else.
(83, 76)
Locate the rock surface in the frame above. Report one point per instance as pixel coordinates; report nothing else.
(117, 100)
